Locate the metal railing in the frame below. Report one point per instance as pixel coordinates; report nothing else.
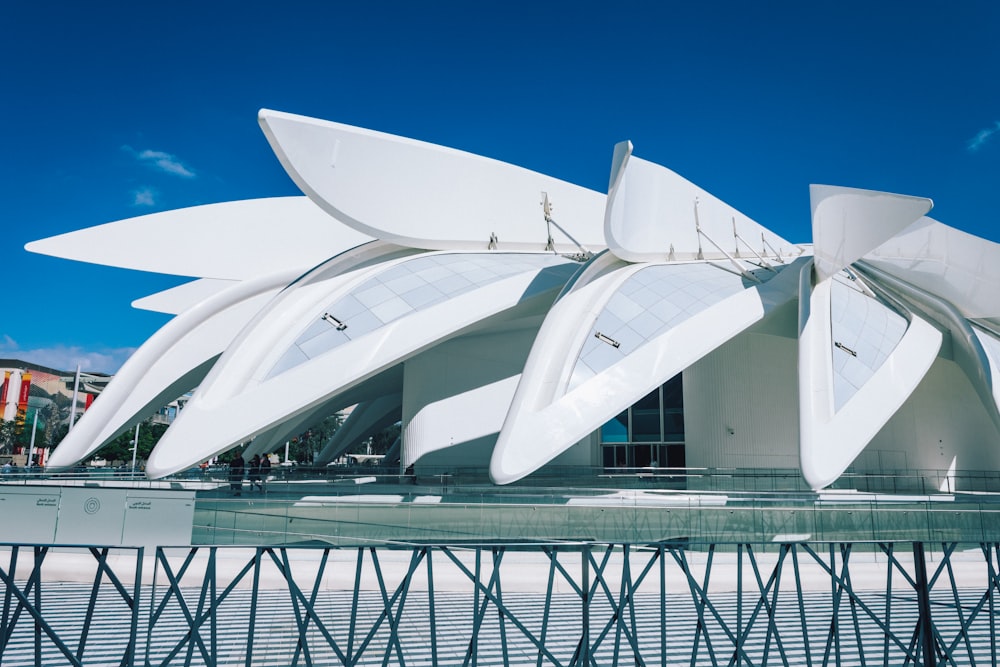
(542, 604)
(50, 622)
(579, 478)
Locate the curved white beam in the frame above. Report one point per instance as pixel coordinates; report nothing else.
(958, 267)
(319, 339)
(848, 223)
(235, 240)
(172, 361)
(366, 419)
(654, 214)
(178, 299)
(618, 333)
(832, 431)
(970, 344)
(426, 196)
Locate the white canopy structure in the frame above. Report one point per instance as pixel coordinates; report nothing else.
(510, 320)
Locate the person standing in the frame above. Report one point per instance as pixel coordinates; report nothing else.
(255, 472)
(265, 470)
(236, 467)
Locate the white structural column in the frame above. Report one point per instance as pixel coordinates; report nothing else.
(366, 419)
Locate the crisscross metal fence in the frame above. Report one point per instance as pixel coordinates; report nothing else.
(879, 603)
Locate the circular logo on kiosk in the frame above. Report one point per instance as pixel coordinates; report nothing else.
(91, 505)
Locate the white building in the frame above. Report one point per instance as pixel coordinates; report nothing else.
(512, 320)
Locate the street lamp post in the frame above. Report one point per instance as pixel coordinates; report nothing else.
(135, 447)
(31, 445)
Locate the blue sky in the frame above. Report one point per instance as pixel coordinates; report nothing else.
(114, 110)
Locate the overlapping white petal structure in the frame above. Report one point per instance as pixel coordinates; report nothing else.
(463, 297)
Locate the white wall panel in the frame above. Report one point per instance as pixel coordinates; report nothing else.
(459, 392)
(942, 422)
(741, 405)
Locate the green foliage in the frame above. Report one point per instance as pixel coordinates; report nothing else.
(11, 438)
(303, 446)
(120, 449)
(382, 441)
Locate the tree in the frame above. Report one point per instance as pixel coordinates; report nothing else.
(384, 439)
(120, 449)
(311, 441)
(6, 436)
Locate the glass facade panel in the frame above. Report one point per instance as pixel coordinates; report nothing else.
(650, 433)
(616, 430)
(673, 425)
(646, 418)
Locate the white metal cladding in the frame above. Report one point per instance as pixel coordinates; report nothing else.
(739, 405)
(460, 391)
(943, 421)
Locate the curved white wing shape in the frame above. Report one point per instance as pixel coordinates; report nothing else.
(366, 419)
(329, 332)
(426, 196)
(653, 214)
(991, 347)
(849, 223)
(859, 360)
(972, 345)
(617, 333)
(232, 240)
(172, 361)
(178, 299)
(959, 267)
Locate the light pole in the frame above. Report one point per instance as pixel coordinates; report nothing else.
(31, 446)
(135, 447)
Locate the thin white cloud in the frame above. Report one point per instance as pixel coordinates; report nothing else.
(161, 161)
(144, 197)
(982, 137)
(67, 357)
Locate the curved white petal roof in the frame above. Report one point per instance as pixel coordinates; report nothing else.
(654, 214)
(959, 267)
(427, 196)
(848, 223)
(232, 240)
(178, 299)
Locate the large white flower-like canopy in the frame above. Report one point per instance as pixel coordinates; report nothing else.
(568, 305)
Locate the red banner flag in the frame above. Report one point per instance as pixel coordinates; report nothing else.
(3, 393)
(22, 402)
